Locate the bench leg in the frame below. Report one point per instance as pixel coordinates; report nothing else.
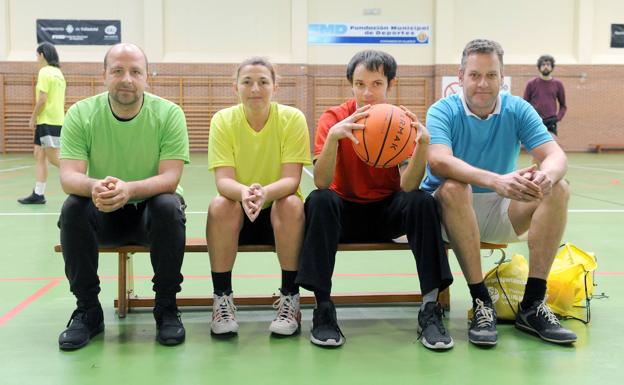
(122, 293)
(130, 277)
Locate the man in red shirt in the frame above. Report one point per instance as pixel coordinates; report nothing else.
(544, 92)
(359, 203)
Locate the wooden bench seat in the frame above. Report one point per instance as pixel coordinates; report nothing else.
(127, 299)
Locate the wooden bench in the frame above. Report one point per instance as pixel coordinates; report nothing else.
(127, 299)
(600, 147)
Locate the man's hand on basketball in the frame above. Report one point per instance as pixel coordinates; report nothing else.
(518, 186)
(110, 194)
(422, 134)
(252, 199)
(344, 128)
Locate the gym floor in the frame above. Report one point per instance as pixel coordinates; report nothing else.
(35, 304)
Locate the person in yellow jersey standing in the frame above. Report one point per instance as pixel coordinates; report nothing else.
(46, 119)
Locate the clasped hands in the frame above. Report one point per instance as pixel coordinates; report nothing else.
(252, 200)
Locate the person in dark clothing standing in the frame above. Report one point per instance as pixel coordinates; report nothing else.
(545, 92)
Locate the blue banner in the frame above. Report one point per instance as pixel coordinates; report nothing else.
(368, 33)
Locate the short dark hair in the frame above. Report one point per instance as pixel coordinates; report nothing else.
(373, 60)
(111, 48)
(482, 46)
(257, 61)
(546, 58)
(49, 54)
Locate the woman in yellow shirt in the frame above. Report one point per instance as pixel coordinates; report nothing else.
(46, 119)
(257, 150)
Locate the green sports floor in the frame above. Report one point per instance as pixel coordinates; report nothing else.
(381, 347)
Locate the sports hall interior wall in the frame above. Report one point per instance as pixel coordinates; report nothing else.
(594, 94)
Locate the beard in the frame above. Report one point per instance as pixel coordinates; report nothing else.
(125, 98)
(546, 72)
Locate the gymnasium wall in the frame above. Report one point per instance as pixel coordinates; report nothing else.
(201, 39)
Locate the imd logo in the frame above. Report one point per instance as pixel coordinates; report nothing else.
(327, 29)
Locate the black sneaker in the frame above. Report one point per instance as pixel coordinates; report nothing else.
(33, 199)
(431, 331)
(482, 329)
(325, 330)
(170, 330)
(82, 326)
(541, 321)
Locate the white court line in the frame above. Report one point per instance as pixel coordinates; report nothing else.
(308, 172)
(11, 159)
(14, 168)
(597, 169)
(574, 211)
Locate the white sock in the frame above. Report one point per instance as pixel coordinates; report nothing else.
(40, 188)
(432, 296)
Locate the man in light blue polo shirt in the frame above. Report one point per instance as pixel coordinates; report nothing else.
(475, 142)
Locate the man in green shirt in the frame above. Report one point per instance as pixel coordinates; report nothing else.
(122, 155)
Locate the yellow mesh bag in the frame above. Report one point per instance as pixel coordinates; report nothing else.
(571, 282)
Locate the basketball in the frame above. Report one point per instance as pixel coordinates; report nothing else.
(387, 138)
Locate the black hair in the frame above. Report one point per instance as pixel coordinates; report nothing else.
(373, 60)
(546, 58)
(49, 54)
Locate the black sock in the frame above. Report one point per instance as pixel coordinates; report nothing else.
(478, 290)
(87, 303)
(166, 302)
(288, 283)
(222, 282)
(535, 290)
(322, 296)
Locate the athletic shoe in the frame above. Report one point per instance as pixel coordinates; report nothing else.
(170, 330)
(482, 329)
(325, 330)
(83, 325)
(33, 199)
(288, 318)
(431, 331)
(223, 315)
(541, 321)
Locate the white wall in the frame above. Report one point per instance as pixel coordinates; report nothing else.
(574, 31)
(201, 31)
(606, 12)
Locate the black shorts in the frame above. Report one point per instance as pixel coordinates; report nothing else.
(258, 232)
(47, 135)
(551, 124)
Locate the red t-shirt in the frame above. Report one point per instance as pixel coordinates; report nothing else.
(354, 180)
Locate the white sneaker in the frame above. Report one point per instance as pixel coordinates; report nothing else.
(288, 318)
(223, 315)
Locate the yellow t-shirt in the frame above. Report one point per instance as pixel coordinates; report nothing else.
(52, 82)
(257, 157)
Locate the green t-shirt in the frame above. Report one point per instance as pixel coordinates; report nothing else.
(257, 157)
(51, 81)
(128, 150)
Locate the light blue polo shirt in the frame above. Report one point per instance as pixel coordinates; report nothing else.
(492, 143)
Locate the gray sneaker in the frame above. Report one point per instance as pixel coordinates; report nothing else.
(541, 321)
(482, 329)
(431, 331)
